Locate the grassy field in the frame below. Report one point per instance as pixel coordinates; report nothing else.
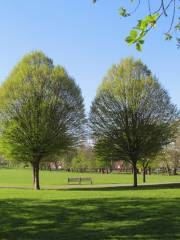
(145, 213)
(23, 177)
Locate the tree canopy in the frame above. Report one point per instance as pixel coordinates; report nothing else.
(155, 10)
(42, 111)
(84, 159)
(132, 116)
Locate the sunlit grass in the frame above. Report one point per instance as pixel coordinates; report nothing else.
(23, 177)
(143, 213)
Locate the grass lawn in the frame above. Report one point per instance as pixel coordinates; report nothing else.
(145, 213)
(23, 177)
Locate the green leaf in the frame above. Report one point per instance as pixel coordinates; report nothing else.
(129, 40)
(168, 36)
(123, 12)
(138, 46)
(142, 25)
(141, 41)
(177, 26)
(133, 34)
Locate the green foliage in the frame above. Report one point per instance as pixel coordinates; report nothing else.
(123, 12)
(137, 35)
(168, 36)
(155, 11)
(84, 159)
(169, 157)
(41, 110)
(65, 160)
(131, 117)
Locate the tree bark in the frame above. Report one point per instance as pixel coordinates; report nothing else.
(36, 175)
(144, 175)
(174, 171)
(33, 174)
(168, 170)
(135, 175)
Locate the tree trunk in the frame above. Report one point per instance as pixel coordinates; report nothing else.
(135, 175)
(174, 171)
(168, 170)
(36, 184)
(36, 175)
(56, 165)
(33, 174)
(144, 175)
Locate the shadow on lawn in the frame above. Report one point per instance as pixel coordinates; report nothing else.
(115, 218)
(115, 188)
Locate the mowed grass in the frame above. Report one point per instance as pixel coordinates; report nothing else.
(113, 213)
(23, 177)
(145, 213)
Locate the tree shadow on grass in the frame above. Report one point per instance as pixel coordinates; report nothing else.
(105, 218)
(126, 188)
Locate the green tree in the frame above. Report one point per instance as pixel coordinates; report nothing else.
(41, 111)
(171, 159)
(155, 11)
(66, 159)
(131, 117)
(144, 164)
(84, 159)
(174, 157)
(104, 154)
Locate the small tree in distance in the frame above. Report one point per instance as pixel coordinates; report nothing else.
(42, 112)
(169, 158)
(144, 165)
(131, 117)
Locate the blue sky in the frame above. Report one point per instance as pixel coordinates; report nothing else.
(84, 38)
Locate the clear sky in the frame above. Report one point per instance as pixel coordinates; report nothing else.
(85, 38)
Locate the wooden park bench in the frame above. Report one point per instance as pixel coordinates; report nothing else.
(80, 180)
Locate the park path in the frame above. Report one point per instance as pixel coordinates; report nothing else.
(96, 186)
